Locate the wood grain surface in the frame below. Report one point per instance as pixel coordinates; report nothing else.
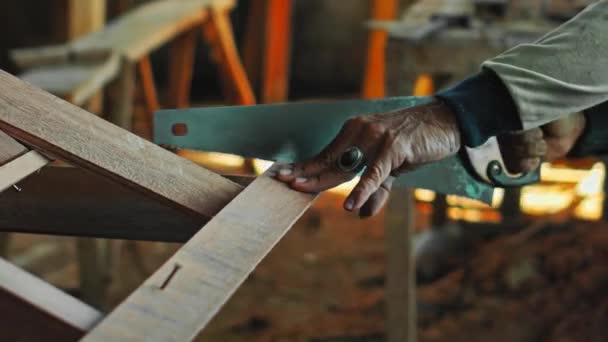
(34, 310)
(83, 139)
(181, 297)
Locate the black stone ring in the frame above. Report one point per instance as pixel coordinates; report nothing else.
(351, 160)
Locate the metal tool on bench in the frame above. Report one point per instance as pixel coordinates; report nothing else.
(297, 131)
(450, 13)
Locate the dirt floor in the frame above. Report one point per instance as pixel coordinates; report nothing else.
(325, 279)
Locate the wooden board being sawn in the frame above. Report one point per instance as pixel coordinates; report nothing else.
(182, 296)
(83, 139)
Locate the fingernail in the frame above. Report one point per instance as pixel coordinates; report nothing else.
(285, 172)
(350, 203)
(301, 180)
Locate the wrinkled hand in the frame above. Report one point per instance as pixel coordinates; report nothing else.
(525, 150)
(391, 142)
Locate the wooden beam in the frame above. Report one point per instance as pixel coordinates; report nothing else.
(132, 35)
(75, 82)
(400, 292)
(218, 34)
(83, 139)
(275, 80)
(76, 202)
(181, 66)
(16, 170)
(149, 26)
(374, 79)
(34, 310)
(84, 17)
(146, 80)
(9, 148)
(253, 41)
(181, 297)
(122, 95)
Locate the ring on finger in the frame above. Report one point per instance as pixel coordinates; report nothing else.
(351, 160)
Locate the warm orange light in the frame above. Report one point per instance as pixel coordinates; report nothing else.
(345, 188)
(423, 195)
(590, 208)
(550, 173)
(212, 159)
(424, 86)
(473, 215)
(585, 186)
(593, 182)
(545, 199)
(463, 202)
(260, 165)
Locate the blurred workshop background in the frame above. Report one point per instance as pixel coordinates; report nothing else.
(528, 268)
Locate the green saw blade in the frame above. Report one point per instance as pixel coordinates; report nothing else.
(297, 131)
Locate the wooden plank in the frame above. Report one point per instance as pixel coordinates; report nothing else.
(149, 26)
(400, 294)
(132, 35)
(148, 86)
(32, 57)
(74, 82)
(9, 148)
(83, 139)
(94, 269)
(179, 299)
(277, 48)
(181, 66)
(374, 79)
(72, 201)
(34, 310)
(218, 34)
(16, 170)
(84, 16)
(122, 95)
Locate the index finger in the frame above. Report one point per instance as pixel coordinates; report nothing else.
(324, 161)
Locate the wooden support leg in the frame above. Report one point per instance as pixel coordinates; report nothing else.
(401, 274)
(218, 34)
(254, 41)
(374, 79)
(276, 55)
(122, 96)
(94, 262)
(146, 79)
(181, 65)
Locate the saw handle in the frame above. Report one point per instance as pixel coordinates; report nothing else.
(501, 177)
(486, 161)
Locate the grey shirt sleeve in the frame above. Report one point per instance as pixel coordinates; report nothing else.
(564, 72)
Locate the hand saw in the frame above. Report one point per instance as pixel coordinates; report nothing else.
(297, 131)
